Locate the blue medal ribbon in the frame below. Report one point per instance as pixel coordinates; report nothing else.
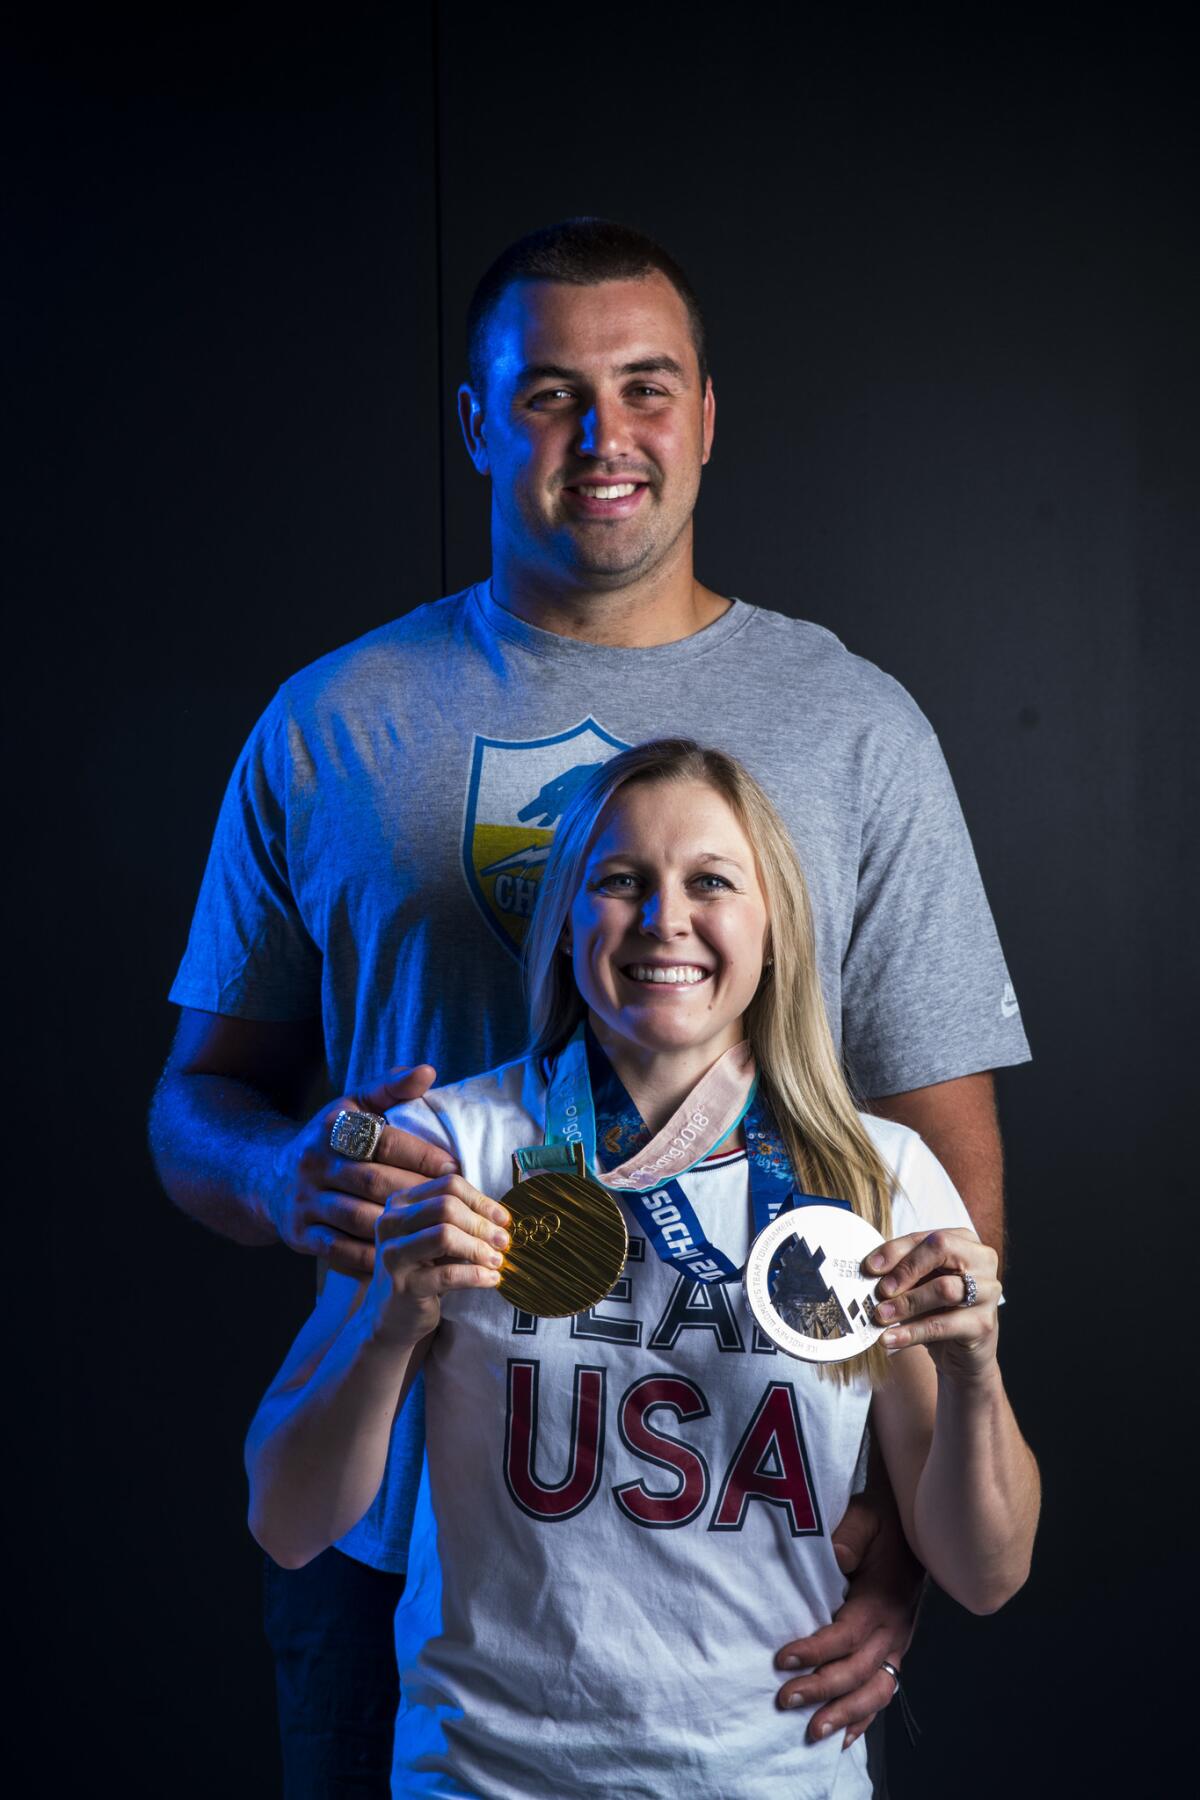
(587, 1105)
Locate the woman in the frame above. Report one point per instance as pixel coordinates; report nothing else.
(633, 1505)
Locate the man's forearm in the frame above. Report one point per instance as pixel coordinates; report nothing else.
(957, 1119)
(214, 1141)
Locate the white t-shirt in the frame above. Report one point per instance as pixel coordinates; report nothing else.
(633, 1513)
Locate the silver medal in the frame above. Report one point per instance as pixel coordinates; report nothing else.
(806, 1287)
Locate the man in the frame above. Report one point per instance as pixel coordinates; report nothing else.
(382, 837)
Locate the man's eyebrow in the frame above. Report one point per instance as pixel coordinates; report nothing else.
(545, 372)
(645, 365)
(654, 365)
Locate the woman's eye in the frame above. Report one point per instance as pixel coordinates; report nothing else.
(618, 883)
(711, 883)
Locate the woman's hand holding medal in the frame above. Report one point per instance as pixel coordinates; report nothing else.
(432, 1240)
(940, 1289)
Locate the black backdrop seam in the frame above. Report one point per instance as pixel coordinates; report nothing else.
(435, 12)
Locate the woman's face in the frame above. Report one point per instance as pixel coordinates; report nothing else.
(668, 928)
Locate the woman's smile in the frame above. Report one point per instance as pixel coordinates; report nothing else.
(660, 974)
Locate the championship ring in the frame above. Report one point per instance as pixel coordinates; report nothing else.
(357, 1135)
(805, 1284)
(569, 1238)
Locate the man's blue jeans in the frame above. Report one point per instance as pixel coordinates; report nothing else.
(338, 1691)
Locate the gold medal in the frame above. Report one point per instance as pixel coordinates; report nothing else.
(569, 1242)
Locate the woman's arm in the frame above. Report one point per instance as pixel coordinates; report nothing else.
(965, 1480)
(318, 1444)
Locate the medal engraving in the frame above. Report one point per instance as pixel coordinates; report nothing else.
(569, 1244)
(536, 1230)
(805, 1284)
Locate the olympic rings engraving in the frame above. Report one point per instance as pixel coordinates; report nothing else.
(535, 1230)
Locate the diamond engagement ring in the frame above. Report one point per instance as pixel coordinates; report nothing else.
(969, 1290)
(356, 1135)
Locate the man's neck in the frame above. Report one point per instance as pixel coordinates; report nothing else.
(661, 609)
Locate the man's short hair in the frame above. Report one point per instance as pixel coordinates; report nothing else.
(584, 252)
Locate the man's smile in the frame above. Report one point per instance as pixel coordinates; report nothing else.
(604, 499)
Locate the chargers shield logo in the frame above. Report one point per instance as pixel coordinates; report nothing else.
(515, 798)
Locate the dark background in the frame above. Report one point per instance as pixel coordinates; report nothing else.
(952, 289)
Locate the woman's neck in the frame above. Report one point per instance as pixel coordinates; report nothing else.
(657, 1081)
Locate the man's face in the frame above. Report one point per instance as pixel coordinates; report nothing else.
(593, 428)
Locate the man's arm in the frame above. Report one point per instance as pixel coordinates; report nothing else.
(957, 1119)
(233, 1152)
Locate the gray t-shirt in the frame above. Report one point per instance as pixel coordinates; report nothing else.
(383, 833)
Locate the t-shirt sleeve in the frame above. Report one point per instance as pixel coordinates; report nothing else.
(925, 1198)
(424, 1121)
(249, 954)
(926, 995)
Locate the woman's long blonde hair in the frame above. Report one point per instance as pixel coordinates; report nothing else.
(799, 1071)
